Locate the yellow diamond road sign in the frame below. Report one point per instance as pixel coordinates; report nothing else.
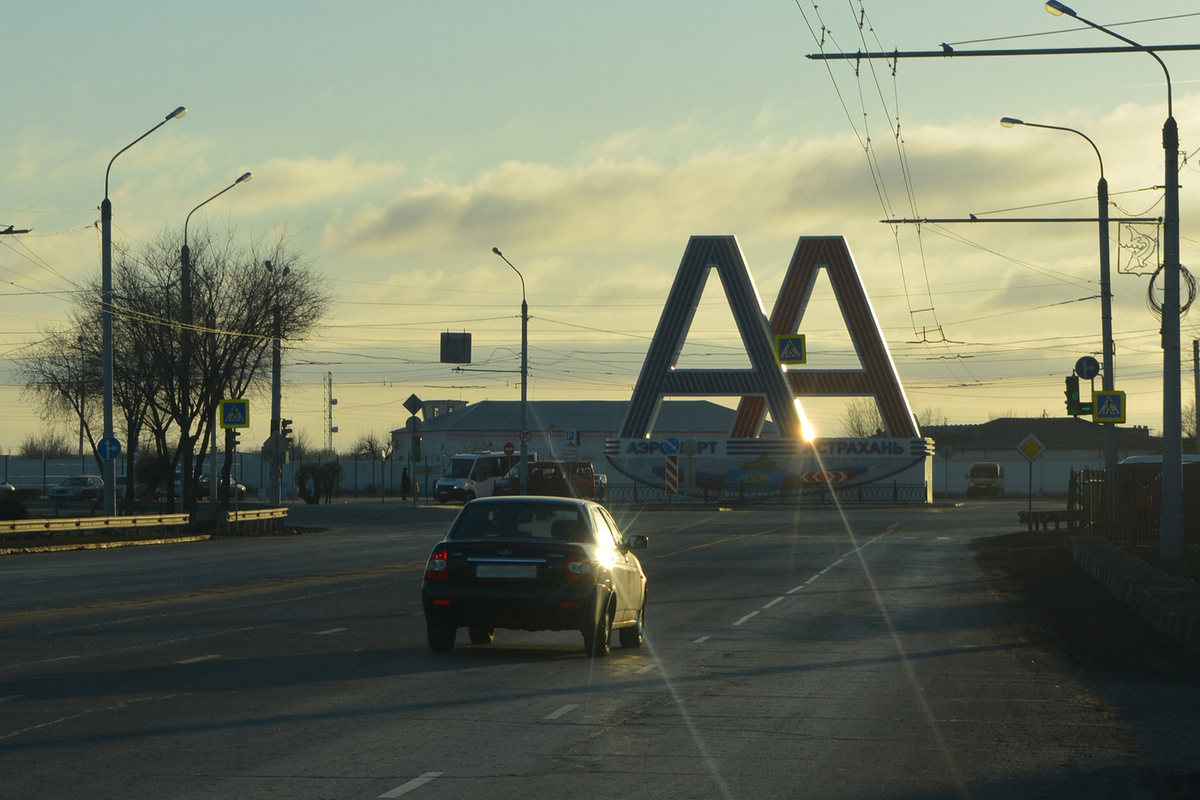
(1031, 448)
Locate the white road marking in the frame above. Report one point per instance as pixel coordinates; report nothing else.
(31, 583)
(567, 709)
(748, 616)
(840, 560)
(331, 630)
(11, 697)
(822, 572)
(197, 658)
(773, 602)
(702, 639)
(798, 588)
(405, 788)
(810, 580)
(646, 668)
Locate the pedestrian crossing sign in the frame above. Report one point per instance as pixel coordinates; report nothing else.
(235, 413)
(1108, 407)
(789, 349)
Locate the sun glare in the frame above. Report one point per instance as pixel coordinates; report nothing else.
(808, 431)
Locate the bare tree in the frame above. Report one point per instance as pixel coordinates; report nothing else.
(46, 445)
(233, 303)
(369, 446)
(862, 419)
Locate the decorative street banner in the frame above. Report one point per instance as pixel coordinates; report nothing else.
(775, 463)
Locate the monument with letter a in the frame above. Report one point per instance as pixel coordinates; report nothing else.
(894, 467)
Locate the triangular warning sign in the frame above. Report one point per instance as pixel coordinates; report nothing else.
(1109, 408)
(789, 351)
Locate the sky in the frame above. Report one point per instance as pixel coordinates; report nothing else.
(396, 143)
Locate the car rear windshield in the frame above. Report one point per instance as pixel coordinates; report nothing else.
(984, 471)
(545, 521)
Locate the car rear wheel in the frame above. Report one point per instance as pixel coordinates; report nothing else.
(596, 642)
(441, 638)
(635, 634)
(482, 635)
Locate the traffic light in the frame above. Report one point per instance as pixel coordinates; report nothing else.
(1072, 393)
(1075, 406)
(416, 447)
(231, 438)
(285, 430)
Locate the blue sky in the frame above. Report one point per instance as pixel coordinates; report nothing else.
(398, 142)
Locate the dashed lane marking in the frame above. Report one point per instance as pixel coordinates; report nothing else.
(702, 639)
(11, 697)
(415, 783)
(567, 709)
(197, 659)
(331, 630)
(773, 602)
(646, 668)
(748, 616)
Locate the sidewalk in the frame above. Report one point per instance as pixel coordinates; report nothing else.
(1170, 605)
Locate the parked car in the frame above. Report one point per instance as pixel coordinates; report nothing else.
(80, 487)
(471, 475)
(237, 491)
(553, 479)
(535, 563)
(986, 478)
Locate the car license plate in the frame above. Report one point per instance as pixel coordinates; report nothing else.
(505, 570)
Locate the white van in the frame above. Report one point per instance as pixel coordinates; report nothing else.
(472, 475)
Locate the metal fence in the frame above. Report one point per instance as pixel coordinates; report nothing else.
(824, 494)
(1136, 504)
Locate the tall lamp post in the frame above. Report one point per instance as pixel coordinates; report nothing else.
(524, 373)
(1110, 430)
(276, 448)
(106, 297)
(185, 375)
(1171, 526)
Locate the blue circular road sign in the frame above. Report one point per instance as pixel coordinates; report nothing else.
(1087, 368)
(109, 448)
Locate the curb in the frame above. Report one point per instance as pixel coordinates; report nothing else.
(1171, 605)
(53, 548)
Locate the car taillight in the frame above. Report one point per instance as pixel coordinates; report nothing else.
(438, 567)
(583, 570)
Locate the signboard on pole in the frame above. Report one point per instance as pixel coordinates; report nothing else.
(235, 413)
(1108, 406)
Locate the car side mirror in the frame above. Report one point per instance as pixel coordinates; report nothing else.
(637, 541)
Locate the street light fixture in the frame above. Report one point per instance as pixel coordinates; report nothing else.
(185, 383)
(1110, 430)
(1171, 525)
(106, 297)
(524, 374)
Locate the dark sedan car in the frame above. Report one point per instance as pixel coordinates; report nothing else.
(535, 564)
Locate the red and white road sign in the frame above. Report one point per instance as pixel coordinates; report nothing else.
(672, 474)
(509, 449)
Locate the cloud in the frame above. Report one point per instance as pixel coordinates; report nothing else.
(299, 182)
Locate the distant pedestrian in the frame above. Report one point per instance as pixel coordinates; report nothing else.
(404, 484)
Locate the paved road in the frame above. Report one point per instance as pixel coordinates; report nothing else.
(789, 654)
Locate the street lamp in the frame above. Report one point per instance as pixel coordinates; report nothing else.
(1171, 525)
(106, 343)
(276, 448)
(524, 373)
(1110, 430)
(185, 384)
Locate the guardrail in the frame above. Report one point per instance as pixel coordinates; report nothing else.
(257, 519)
(20, 528)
